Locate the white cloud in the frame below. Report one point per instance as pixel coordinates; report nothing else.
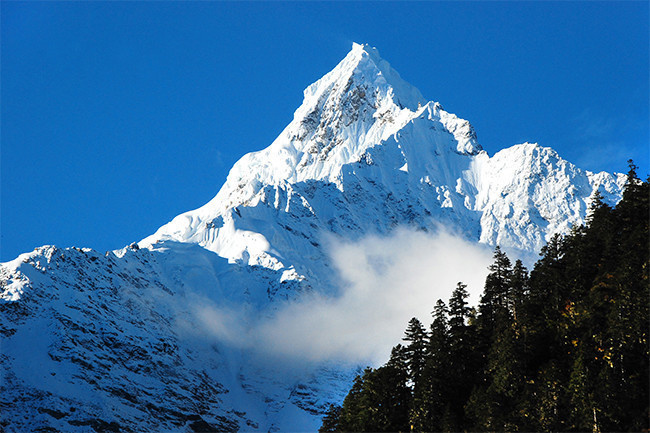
(384, 282)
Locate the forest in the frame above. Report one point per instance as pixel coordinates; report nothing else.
(562, 347)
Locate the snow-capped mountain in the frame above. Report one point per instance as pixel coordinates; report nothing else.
(110, 342)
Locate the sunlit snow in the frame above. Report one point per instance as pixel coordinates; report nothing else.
(255, 311)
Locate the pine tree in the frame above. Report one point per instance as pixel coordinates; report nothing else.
(505, 378)
(415, 351)
(581, 400)
(354, 415)
(495, 302)
(379, 401)
(438, 344)
(464, 360)
(518, 291)
(332, 420)
(494, 404)
(416, 336)
(547, 300)
(398, 367)
(399, 359)
(429, 401)
(458, 312)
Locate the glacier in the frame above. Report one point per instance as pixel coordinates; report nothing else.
(153, 337)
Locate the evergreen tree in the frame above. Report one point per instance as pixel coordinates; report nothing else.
(546, 300)
(517, 292)
(379, 401)
(459, 312)
(495, 302)
(416, 336)
(430, 402)
(581, 400)
(398, 366)
(332, 420)
(505, 377)
(564, 349)
(464, 360)
(354, 415)
(438, 344)
(399, 360)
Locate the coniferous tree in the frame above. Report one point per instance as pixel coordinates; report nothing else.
(517, 292)
(398, 366)
(430, 404)
(331, 420)
(379, 401)
(496, 295)
(386, 392)
(399, 360)
(564, 349)
(438, 343)
(354, 413)
(463, 360)
(459, 312)
(416, 337)
(547, 289)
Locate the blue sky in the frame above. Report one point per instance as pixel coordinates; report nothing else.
(117, 116)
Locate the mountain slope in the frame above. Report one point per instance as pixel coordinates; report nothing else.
(129, 340)
(365, 144)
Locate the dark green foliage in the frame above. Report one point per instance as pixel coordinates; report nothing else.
(416, 336)
(432, 405)
(563, 349)
(379, 401)
(463, 362)
(332, 419)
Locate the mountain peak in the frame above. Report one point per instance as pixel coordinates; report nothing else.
(363, 130)
(365, 48)
(366, 53)
(364, 66)
(357, 47)
(364, 155)
(357, 105)
(360, 104)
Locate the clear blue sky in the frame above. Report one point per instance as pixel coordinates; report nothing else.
(118, 116)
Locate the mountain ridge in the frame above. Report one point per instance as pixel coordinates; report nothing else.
(365, 154)
(319, 145)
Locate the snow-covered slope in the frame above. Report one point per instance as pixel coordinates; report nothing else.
(114, 341)
(365, 152)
